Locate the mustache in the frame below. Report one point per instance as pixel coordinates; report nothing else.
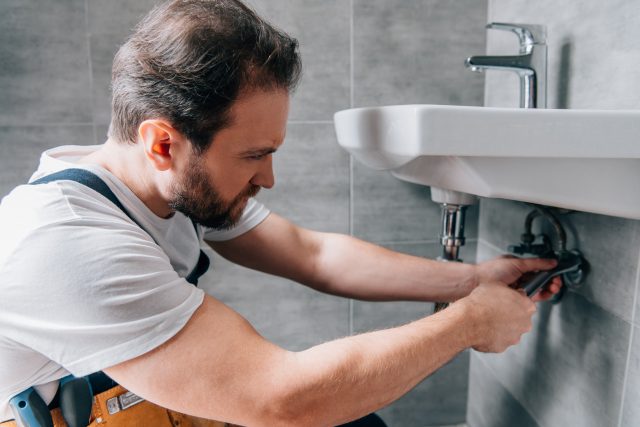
(251, 191)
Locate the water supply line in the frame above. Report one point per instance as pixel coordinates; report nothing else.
(571, 265)
(527, 245)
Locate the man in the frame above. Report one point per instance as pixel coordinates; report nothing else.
(100, 251)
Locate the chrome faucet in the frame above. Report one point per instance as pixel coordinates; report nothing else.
(530, 64)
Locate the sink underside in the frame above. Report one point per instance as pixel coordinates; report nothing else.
(576, 159)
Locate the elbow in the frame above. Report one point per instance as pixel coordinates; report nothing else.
(297, 396)
(294, 401)
(287, 409)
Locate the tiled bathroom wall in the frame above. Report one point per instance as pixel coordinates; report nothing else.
(580, 366)
(55, 59)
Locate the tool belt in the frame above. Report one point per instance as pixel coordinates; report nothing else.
(119, 408)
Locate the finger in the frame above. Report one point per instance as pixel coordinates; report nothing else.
(553, 289)
(548, 292)
(541, 296)
(545, 294)
(536, 264)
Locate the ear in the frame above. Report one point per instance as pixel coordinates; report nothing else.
(159, 140)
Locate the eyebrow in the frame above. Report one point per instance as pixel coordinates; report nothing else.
(259, 151)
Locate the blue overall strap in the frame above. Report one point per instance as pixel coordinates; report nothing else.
(201, 267)
(88, 179)
(91, 180)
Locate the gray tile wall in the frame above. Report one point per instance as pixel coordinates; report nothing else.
(580, 365)
(412, 52)
(55, 60)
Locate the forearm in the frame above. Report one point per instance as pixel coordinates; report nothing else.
(341, 380)
(225, 370)
(346, 266)
(354, 268)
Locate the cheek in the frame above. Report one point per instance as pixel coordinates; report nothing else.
(231, 181)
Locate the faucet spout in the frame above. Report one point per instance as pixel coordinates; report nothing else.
(518, 63)
(530, 64)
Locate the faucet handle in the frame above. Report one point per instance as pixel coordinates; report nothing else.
(528, 34)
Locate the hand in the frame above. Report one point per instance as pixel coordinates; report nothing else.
(497, 316)
(516, 271)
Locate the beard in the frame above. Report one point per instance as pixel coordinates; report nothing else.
(195, 196)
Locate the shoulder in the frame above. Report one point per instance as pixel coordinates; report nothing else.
(60, 226)
(55, 201)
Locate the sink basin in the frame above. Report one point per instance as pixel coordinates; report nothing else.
(587, 160)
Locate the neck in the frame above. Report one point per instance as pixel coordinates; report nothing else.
(128, 163)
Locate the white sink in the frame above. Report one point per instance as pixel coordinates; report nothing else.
(586, 160)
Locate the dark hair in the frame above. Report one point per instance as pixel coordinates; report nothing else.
(189, 60)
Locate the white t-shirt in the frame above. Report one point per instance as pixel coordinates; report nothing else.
(82, 287)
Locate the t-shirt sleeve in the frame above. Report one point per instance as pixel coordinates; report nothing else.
(90, 294)
(254, 213)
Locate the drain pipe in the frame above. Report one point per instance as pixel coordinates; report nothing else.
(454, 205)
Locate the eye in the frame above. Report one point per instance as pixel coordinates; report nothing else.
(259, 156)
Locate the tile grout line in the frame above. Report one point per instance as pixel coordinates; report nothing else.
(490, 245)
(631, 332)
(93, 117)
(485, 92)
(351, 48)
(497, 379)
(630, 349)
(45, 124)
(351, 186)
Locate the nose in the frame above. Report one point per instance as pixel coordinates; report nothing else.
(264, 176)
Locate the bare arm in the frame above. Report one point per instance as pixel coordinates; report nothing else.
(219, 367)
(346, 266)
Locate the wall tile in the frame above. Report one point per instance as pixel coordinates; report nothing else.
(312, 179)
(323, 29)
(103, 49)
(101, 133)
(44, 74)
(600, 34)
(129, 13)
(286, 313)
(378, 196)
(636, 317)
(106, 35)
(400, 55)
(569, 369)
(631, 409)
(21, 147)
(370, 316)
(441, 398)
(609, 244)
(501, 222)
(492, 405)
